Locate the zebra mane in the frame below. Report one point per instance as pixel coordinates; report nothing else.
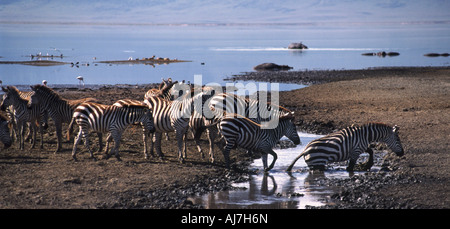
(241, 116)
(286, 116)
(134, 106)
(15, 91)
(45, 89)
(379, 124)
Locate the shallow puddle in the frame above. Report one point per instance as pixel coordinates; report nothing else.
(278, 189)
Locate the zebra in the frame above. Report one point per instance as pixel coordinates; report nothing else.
(163, 91)
(108, 118)
(198, 123)
(248, 134)
(58, 108)
(10, 113)
(174, 115)
(226, 103)
(349, 143)
(125, 103)
(23, 115)
(5, 137)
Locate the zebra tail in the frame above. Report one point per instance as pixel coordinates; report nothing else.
(295, 160)
(70, 128)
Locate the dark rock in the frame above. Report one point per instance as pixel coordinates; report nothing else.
(271, 67)
(297, 46)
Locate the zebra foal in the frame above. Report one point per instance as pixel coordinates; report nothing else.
(348, 143)
(107, 118)
(246, 133)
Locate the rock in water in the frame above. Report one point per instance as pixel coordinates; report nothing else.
(297, 46)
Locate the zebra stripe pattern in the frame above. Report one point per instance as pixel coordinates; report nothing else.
(23, 115)
(145, 131)
(349, 143)
(174, 115)
(198, 123)
(5, 136)
(245, 133)
(59, 109)
(108, 118)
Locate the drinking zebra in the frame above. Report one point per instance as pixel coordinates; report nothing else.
(58, 108)
(107, 118)
(246, 133)
(174, 115)
(23, 115)
(5, 137)
(348, 143)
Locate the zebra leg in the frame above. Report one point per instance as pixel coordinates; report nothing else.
(86, 144)
(369, 163)
(59, 135)
(226, 151)
(116, 136)
(144, 139)
(75, 144)
(100, 141)
(41, 132)
(274, 155)
(33, 127)
(152, 144)
(353, 157)
(180, 137)
(21, 126)
(196, 134)
(212, 134)
(158, 136)
(108, 140)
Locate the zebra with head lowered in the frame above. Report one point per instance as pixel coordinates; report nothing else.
(5, 137)
(349, 143)
(246, 133)
(145, 131)
(58, 108)
(23, 115)
(257, 110)
(108, 118)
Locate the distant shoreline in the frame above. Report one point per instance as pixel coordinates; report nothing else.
(309, 77)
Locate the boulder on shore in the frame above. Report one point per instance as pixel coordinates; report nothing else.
(271, 67)
(297, 46)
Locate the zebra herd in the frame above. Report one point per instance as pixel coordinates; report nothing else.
(178, 107)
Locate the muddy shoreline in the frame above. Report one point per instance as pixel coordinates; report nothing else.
(416, 99)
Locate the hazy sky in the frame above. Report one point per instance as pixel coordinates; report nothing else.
(224, 11)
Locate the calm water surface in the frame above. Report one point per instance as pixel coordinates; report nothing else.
(215, 52)
(278, 189)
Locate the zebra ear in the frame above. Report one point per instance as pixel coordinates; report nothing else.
(4, 89)
(396, 128)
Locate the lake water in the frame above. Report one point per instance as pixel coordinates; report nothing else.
(278, 189)
(215, 52)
